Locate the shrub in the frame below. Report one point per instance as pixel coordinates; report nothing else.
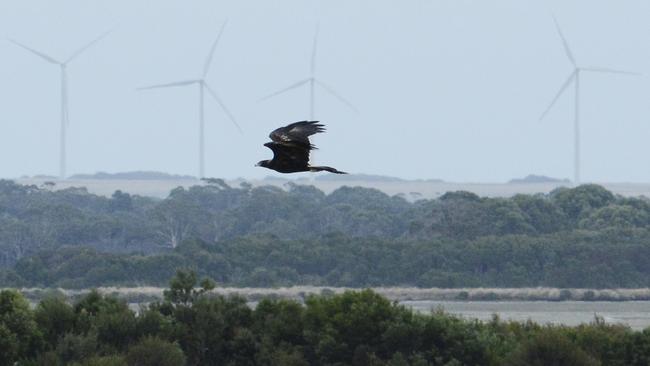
(153, 351)
(550, 347)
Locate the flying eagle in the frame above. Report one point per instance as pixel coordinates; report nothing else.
(291, 147)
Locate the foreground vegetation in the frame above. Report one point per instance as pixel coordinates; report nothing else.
(584, 237)
(194, 327)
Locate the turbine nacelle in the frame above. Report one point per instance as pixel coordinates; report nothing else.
(64, 91)
(312, 81)
(574, 78)
(203, 86)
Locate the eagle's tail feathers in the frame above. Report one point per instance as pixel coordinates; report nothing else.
(325, 168)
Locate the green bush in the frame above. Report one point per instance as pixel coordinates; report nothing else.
(550, 347)
(54, 317)
(19, 334)
(152, 351)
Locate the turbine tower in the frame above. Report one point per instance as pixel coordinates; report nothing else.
(312, 82)
(64, 93)
(574, 77)
(202, 88)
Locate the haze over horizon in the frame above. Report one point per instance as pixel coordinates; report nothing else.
(445, 89)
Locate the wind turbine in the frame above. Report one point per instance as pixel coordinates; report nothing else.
(312, 82)
(574, 77)
(64, 93)
(202, 86)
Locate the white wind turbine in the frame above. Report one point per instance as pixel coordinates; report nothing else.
(574, 77)
(202, 86)
(312, 81)
(64, 93)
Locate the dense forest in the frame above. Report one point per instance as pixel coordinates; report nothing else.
(267, 236)
(191, 326)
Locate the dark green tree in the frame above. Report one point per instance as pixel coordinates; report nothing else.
(55, 317)
(18, 330)
(182, 287)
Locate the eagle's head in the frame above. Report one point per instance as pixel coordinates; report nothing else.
(263, 163)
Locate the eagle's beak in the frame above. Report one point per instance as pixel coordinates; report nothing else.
(258, 164)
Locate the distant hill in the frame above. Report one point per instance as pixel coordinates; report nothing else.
(40, 176)
(336, 178)
(270, 178)
(366, 178)
(137, 175)
(537, 179)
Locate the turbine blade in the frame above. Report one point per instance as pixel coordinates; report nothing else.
(223, 106)
(178, 83)
(88, 45)
(609, 71)
(37, 53)
(559, 93)
(338, 96)
(208, 60)
(290, 87)
(313, 51)
(567, 49)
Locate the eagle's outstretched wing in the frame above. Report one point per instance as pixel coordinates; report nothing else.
(297, 133)
(289, 155)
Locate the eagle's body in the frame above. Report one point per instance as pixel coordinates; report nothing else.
(291, 147)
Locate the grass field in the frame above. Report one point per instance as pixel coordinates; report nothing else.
(147, 294)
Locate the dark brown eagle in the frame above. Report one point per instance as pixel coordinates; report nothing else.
(291, 147)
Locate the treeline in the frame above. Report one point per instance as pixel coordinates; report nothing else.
(267, 236)
(193, 327)
(616, 259)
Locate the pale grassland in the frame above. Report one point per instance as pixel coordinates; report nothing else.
(148, 294)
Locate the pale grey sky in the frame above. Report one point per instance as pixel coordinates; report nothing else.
(449, 89)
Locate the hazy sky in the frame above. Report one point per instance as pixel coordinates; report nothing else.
(449, 89)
